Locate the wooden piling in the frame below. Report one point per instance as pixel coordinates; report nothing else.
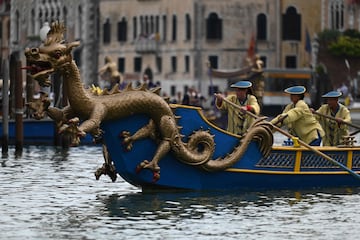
(19, 108)
(5, 108)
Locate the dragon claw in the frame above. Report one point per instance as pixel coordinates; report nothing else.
(128, 148)
(71, 129)
(141, 166)
(40, 106)
(63, 128)
(149, 165)
(106, 169)
(125, 134)
(144, 163)
(81, 134)
(127, 142)
(156, 176)
(74, 120)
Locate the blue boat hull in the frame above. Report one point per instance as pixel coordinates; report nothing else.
(284, 168)
(37, 132)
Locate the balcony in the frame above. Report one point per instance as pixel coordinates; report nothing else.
(147, 45)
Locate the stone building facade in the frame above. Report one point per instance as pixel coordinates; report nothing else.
(175, 39)
(172, 40)
(80, 18)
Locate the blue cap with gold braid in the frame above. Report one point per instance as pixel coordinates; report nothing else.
(296, 90)
(332, 94)
(241, 84)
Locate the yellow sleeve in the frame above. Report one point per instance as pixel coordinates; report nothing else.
(286, 109)
(224, 105)
(297, 112)
(253, 102)
(320, 110)
(344, 114)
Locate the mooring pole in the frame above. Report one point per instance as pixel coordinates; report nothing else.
(5, 108)
(19, 108)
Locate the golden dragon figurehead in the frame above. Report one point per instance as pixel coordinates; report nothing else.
(51, 56)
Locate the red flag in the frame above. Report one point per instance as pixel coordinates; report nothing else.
(251, 49)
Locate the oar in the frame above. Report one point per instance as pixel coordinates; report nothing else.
(354, 133)
(299, 141)
(334, 119)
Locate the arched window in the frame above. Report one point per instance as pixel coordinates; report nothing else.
(17, 26)
(46, 16)
(164, 27)
(137, 64)
(122, 30)
(40, 19)
(187, 63)
(146, 24)
(173, 64)
(58, 14)
(32, 23)
(187, 27)
(213, 27)
(78, 23)
(291, 25)
(336, 14)
(65, 17)
(121, 64)
(134, 27)
(107, 32)
(261, 27)
(142, 26)
(157, 24)
(152, 25)
(52, 15)
(174, 27)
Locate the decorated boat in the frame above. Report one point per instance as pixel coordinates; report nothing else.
(156, 145)
(246, 164)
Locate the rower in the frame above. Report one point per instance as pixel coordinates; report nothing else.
(335, 126)
(299, 119)
(239, 122)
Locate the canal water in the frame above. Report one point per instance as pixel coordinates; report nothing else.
(51, 193)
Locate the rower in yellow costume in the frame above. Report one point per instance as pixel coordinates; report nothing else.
(334, 130)
(239, 122)
(299, 119)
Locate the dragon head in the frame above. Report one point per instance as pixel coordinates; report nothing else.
(51, 56)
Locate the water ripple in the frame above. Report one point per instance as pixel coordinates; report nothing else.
(51, 193)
